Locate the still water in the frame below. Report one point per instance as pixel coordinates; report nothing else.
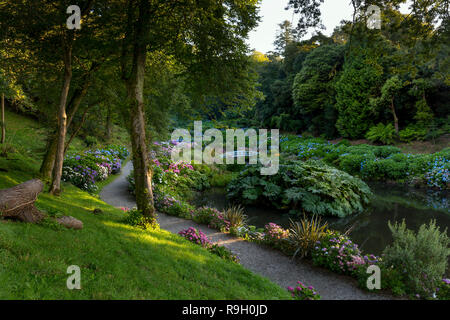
(370, 228)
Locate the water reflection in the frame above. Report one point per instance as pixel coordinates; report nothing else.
(370, 228)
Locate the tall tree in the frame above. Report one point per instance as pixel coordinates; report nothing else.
(285, 35)
(314, 88)
(360, 80)
(2, 120)
(208, 37)
(389, 91)
(41, 33)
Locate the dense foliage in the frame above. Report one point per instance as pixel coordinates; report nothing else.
(421, 258)
(311, 186)
(135, 218)
(443, 292)
(384, 163)
(357, 78)
(338, 253)
(85, 168)
(173, 178)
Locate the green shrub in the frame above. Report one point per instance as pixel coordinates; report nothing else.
(6, 148)
(353, 163)
(331, 158)
(221, 179)
(179, 208)
(391, 279)
(204, 215)
(412, 133)
(135, 218)
(400, 157)
(369, 161)
(362, 149)
(421, 257)
(385, 151)
(337, 253)
(386, 169)
(311, 186)
(381, 133)
(224, 253)
(91, 141)
(443, 292)
(344, 142)
(418, 164)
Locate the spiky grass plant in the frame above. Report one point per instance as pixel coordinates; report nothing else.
(235, 215)
(305, 233)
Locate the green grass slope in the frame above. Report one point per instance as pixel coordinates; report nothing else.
(117, 261)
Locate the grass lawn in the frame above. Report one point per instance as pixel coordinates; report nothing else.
(117, 261)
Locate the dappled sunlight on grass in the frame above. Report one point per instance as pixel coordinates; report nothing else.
(158, 237)
(170, 248)
(7, 181)
(171, 243)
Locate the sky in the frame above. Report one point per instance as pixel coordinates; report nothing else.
(273, 12)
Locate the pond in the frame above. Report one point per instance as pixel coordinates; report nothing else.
(370, 228)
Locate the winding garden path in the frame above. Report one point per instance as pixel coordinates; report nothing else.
(262, 260)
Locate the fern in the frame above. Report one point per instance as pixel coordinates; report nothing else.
(381, 133)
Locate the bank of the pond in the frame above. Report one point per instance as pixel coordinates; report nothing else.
(260, 259)
(384, 163)
(370, 228)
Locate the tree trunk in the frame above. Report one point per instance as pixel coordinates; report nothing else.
(135, 99)
(48, 163)
(18, 202)
(3, 120)
(75, 132)
(142, 170)
(55, 187)
(109, 123)
(395, 115)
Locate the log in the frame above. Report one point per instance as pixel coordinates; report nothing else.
(18, 202)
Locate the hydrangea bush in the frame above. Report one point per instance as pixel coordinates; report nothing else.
(302, 292)
(83, 178)
(274, 235)
(195, 236)
(384, 163)
(176, 179)
(339, 254)
(437, 176)
(84, 169)
(198, 237)
(171, 205)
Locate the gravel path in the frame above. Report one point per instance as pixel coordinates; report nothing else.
(257, 258)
